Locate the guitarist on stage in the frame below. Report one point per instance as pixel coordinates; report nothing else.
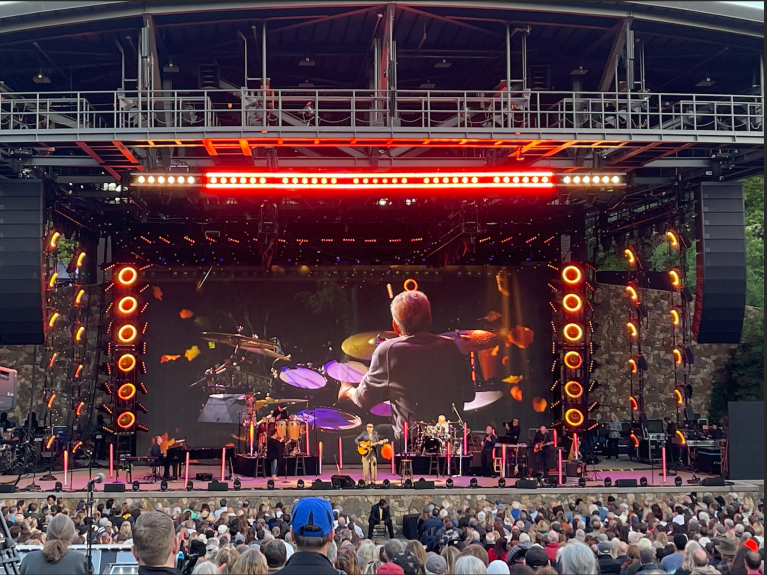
(541, 447)
(369, 438)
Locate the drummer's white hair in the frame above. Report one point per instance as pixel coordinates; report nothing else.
(412, 312)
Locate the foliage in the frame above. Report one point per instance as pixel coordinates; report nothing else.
(743, 377)
(65, 248)
(753, 193)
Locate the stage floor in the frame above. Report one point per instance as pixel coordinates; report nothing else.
(622, 469)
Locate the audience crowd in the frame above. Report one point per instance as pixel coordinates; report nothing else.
(685, 536)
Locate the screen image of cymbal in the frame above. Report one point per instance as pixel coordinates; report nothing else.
(362, 345)
(469, 340)
(252, 344)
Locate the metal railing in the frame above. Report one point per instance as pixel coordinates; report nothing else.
(194, 110)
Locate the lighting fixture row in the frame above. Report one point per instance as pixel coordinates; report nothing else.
(463, 180)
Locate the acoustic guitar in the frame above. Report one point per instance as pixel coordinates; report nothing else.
(539, 446)
(366, 447)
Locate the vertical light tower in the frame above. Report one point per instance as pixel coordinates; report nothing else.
(575, 350)
(127, 347)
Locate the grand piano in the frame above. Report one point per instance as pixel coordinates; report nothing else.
(176, 455)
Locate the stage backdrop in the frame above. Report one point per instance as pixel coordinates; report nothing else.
(311, 316)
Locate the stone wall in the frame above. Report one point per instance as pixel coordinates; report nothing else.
(612, 313)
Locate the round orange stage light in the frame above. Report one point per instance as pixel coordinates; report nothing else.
(573, 389)
(126, 420)
(127, 333)
(633, 365)
(410, 285)
(632, 293)
(126, 362)
(572, 303)
(126, 391)
(681, 437)
(127, 276)
(79, 333)
(630, 256)
(634, 404)
(54, 239)
(573, 332)
(574, 417)
(675, 317)
(679, 398)
(80, 259)
(573, 360)
(677, 356)
(540, 404)
(672, 239)
(572, 275)
(675, 280)
(387, 451)
(127, 305)
(633, 330)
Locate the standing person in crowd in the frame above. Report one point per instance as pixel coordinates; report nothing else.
(312, 531)
(275, 553)
(607, 565)
(613, 435)
(155, 545)
(670, 563)
(379, 515)
(577, 559)
(252, 562)
(55, 557)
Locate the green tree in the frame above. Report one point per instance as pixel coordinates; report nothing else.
(753, 195)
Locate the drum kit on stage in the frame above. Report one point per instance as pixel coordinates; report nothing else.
(433, 439)
(230, 377)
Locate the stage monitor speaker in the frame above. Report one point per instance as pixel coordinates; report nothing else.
(8, 381)
(625, 483)
(745, 446)
(320, 485)
(22, 294)
(114, 488)
(713, 482)
(7, 487)
(203, 477)
(526, 484)
(346, 481)
(720, 293)
(218, 486)
(410, 526)
(423, 484)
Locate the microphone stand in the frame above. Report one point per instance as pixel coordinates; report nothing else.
(89, 541)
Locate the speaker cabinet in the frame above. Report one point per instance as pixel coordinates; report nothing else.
(345, 481)
(720, 293)
(320, 485)
(410, 526)
(218, 486)
(713, 482)
(526, 484)
(423, 484)
(114, 488)
(22, 295)
(625, 483)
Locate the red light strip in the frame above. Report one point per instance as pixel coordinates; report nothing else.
(388, 182)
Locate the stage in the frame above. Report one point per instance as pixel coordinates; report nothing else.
(614, 470)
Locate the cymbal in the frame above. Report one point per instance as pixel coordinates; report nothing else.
(469, 340)
(362, 345)
(238, 340)
(259, 403)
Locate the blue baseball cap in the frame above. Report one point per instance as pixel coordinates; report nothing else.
(312, 517)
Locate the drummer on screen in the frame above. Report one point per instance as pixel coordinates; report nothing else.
(280, 413)
(421, 374)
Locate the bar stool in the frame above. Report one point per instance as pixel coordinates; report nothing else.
(300, 462)
(260, 467)
(434, 465)
(497, 463)
(406, 469)
(380, 532)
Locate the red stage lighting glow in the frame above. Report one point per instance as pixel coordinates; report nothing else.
(678, 396)
(127, 334)
(126, 362)
(677, 356)
(681, 437)
(126, 391)
(572, 303)
(630, 256)
(634, 404)
(675, 279)
(633, 329)
(675, 317)
(574, 417)
(573, 389)
(672, 239)
(410, 285)
(633, 365)
(127, 305)
(632, 293)
(572, 275)
(127, 276)
(389, 181)
(573, 332)
(126, 420)
(573, 359)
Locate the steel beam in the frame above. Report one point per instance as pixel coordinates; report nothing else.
(618, 43)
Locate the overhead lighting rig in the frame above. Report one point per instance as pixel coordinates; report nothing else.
(254, 182)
